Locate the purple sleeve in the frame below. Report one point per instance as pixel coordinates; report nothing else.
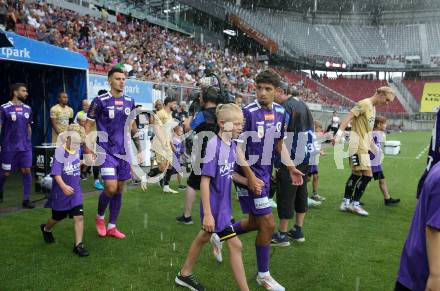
(94, 109)
(57, 168)
(433, 207)
(2, 115)
(211, 161)
(436, 133)
(31, 117)
(247, 120)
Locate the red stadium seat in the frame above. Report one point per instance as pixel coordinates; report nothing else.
(357, 90)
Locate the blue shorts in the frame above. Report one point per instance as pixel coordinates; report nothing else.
(257, 205)
(12, 161)
(114, 168)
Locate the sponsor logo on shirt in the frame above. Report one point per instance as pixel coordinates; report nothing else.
(269, 117)
(119, 102)
(18, 109)
(226, 169)
(72, 169)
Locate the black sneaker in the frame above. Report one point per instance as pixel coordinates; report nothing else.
(161, 183)
(184, 220)
(47, 236)
(182, 187)
(391, 201)
(83, 176)
(280, 240)
(1, 196)
(296, 233)
(27, 204)
(189, 282)
(80, 250)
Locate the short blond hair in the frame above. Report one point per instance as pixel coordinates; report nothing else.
(228, 112)
(74, 127)
(385, 90)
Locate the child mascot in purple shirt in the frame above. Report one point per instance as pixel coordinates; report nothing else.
(66, 196)
(216, 208)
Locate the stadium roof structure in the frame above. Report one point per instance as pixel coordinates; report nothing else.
(343, 6)
(157, 8)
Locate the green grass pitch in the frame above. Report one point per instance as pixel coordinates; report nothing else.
(342, 251)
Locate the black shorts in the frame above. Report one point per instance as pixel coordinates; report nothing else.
(378, 176)
(400, 287)
(75, 211)
(291, 197)
(194, 181)
(227, 233)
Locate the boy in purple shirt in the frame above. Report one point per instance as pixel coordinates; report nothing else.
(380, 125)
(16, 149)
(265, 122)
(433, 153)
(111, 113)
(420, 261)
(216, 208)
(66, 195)
(179, 152)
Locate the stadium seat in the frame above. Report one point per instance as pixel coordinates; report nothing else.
(357, 90)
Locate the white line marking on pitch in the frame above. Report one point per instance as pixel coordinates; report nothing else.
(422, 152)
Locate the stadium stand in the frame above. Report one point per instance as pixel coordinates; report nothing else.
(155, 54)
(416, 87)
(357, 89)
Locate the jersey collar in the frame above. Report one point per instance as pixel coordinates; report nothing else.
(259, 106)
(69, 151)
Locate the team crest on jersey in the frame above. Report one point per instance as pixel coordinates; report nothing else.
(260, 131)
(26, 115)
(278, 126)
(127, 111)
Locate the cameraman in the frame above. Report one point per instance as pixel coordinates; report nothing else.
(203, 121)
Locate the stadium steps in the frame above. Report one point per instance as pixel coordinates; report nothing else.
(338, 35)
(405, 97)
(426, 58)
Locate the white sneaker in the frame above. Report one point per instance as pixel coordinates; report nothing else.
(167, 189)
(273, 204)
(313, 203)
(357, 208)
(217, 246)
(345, 205)
(269, 283)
